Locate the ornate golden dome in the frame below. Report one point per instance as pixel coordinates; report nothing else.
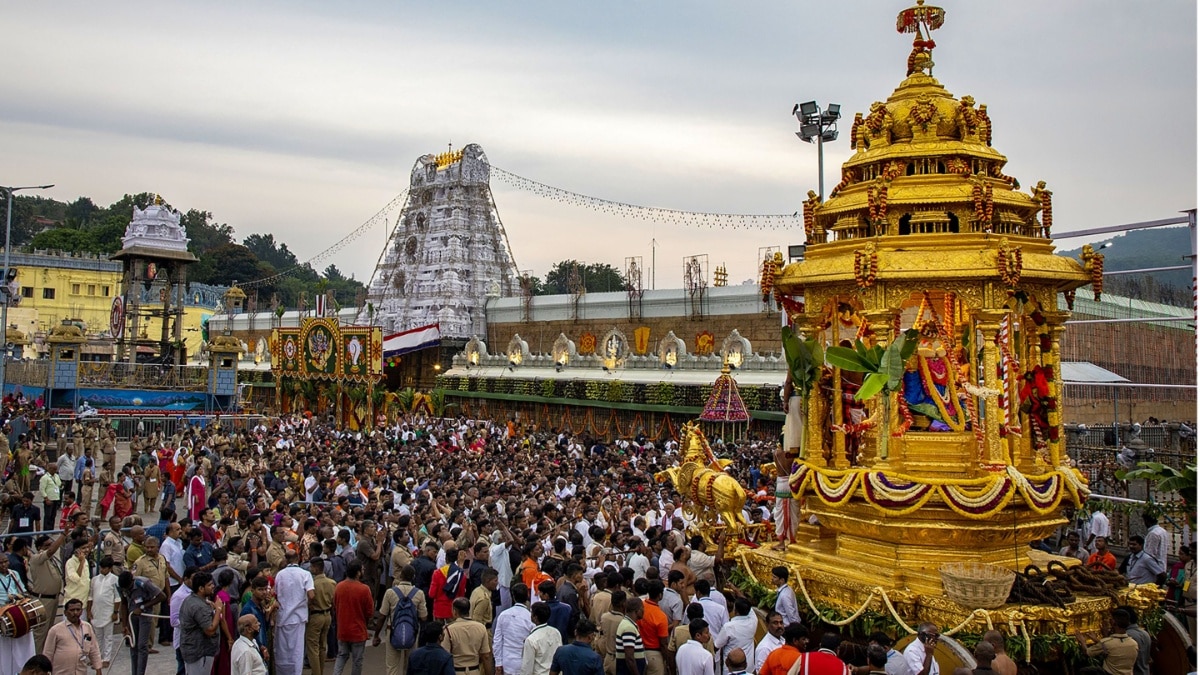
(924, 164)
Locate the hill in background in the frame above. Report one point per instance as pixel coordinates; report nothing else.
(1141, 249)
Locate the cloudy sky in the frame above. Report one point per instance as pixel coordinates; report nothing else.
(304, 118)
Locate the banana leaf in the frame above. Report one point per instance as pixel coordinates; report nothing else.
(847, 359)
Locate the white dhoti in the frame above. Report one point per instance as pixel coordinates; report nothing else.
(104, 635)
(787, 511)
(14, 652)
(289, 649)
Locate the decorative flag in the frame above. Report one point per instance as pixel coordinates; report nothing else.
(412, 340)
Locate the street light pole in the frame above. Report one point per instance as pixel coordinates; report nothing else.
(821, 167)
(818, 126)
(4, 294)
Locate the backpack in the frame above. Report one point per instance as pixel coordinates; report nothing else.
(404, 620)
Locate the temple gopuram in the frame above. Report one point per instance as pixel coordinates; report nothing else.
(925, 449)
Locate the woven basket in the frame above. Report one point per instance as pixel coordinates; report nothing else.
(977, 585)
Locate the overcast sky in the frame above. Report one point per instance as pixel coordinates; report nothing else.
(303, 119)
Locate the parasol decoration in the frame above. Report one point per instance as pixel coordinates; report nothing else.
(910, 20)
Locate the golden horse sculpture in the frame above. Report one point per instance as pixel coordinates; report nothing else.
(701, 478)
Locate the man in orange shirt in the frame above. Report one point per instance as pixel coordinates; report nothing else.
(795, 637)
(654, 629)
(353, 608)
(1102, 558)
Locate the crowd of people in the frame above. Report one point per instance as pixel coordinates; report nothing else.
(456, 546)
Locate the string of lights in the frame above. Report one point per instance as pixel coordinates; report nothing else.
(650, 213)
(371, 222)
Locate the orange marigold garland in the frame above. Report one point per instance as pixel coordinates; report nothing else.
(1097, 275)
(1093, 263)
(1009, 264)
(866, 266)
(766, 282)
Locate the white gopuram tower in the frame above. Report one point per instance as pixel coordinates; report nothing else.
(447, 253)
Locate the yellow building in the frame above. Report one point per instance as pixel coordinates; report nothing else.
(64, 286)
(57, 287)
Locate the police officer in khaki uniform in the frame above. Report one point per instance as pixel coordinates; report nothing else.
(316, 633)
(46, 581)
(468, 642)
(108, 447)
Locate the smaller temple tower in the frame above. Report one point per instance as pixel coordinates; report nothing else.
(154, 254)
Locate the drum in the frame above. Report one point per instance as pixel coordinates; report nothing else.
(19, 618)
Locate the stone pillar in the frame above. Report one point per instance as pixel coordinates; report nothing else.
(996, 450)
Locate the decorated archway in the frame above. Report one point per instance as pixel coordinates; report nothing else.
(325, 368)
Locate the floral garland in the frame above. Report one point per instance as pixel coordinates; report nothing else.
(978, 499)
(922, 114)
(866, 266)
(985, 124)
(847, 176)
(1097, 275)
(1010, 264)
(766, 282)
(957, 421)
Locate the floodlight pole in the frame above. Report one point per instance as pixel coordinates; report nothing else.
(5, 299)
(821, 164)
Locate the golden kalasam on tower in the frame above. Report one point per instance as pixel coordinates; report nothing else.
(961, 458)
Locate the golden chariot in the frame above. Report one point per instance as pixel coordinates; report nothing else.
(961, 458)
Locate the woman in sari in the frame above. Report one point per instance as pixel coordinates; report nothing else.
(222, 483)
(166, 461)
(179, 468)
(225, 579)
(197, 495)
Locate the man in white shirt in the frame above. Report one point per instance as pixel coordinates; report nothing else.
(1158, 542)
(538, 652)
(172, 549)
(692, 658)
(637, 559)
(785, 602)
(715, 611)
(1097, 527)
(738, 632)
(771, 641)
(509, 631)
(102, 607)
(177, 598)
(293, 589)
(919, 653)
(245, 657)
(498, 560)
(310, 487)
(66, 470)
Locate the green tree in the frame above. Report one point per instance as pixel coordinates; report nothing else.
(206, 235)
(596, 277)
(268, 250)
(237, 263)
